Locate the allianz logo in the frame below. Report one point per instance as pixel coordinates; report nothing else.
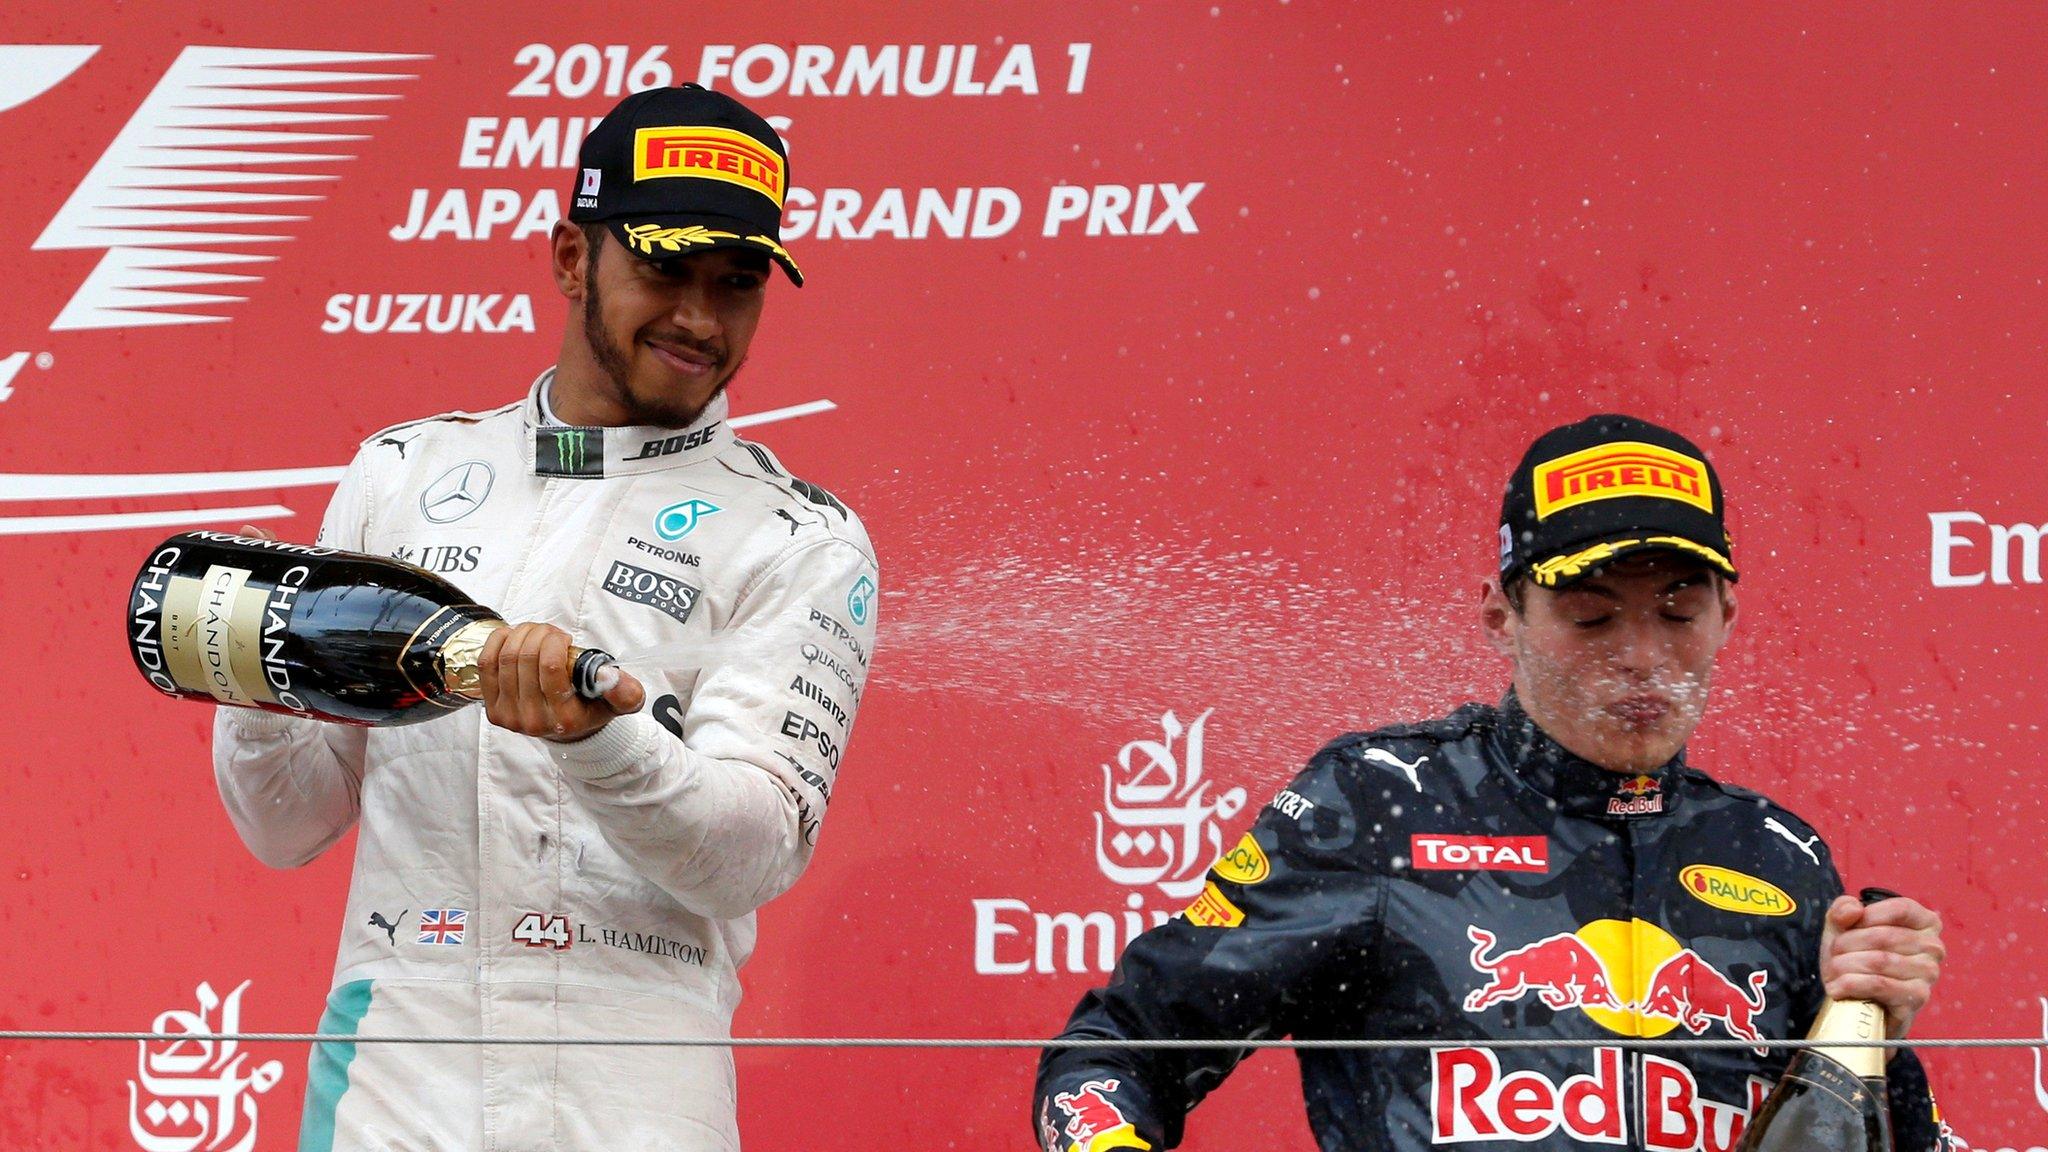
(1967, 550)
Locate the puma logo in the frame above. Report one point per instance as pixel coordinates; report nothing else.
(1382, 756)
(377, 920)
(792, 520)
(395, 442)
(1805, 845)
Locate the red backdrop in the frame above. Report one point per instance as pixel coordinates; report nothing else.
(1240, 466)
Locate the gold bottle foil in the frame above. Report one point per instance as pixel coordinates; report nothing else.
(458, 659)
(1845, 1020)
(459, 656)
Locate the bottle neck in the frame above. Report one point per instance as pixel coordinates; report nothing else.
(1842, 1021)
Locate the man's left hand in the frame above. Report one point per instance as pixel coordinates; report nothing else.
(527, 688)
(1889, 952)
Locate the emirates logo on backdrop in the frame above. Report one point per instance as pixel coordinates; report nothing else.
(193, 1090)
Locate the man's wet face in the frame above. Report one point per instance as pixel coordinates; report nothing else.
(1616, 666)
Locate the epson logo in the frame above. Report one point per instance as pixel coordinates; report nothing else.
(665, 594)
(1951, 566)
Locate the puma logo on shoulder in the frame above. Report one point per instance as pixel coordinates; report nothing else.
(1805, 845)
(1382, 756)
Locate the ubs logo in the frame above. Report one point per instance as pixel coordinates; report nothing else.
(460, 491)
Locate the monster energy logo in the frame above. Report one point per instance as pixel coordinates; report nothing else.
(576, 451)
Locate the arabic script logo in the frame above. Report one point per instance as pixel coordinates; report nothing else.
(460, 491)
(198, 1094)
(1167, 828)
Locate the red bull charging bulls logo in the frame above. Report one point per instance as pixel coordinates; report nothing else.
(1633, 978)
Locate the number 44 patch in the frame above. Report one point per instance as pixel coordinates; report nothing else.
(537, 931)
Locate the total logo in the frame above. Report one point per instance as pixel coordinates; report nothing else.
(1667, 986)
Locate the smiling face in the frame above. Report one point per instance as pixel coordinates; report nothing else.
(650, 342)
(1615, 666)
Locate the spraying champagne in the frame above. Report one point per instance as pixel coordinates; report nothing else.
(314, 631)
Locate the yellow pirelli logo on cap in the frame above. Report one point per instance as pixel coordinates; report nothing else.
(1624, 468)
(708, 154)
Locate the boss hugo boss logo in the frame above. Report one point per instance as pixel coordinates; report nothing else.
(664, 594)
(458, 492)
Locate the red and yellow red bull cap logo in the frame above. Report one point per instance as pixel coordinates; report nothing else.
(1622, 468)
(706, 153)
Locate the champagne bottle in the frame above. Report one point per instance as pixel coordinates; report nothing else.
(314, 631)
(1831, 1099)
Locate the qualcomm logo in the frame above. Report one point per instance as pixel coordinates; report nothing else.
(213, 160)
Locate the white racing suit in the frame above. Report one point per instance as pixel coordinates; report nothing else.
(508, 886)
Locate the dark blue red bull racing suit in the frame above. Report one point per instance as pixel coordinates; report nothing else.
(1468, 880)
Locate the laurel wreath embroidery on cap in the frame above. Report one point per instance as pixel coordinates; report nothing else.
(770, 244)
(646, 236)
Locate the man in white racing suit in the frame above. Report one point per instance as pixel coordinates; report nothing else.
(547, 866)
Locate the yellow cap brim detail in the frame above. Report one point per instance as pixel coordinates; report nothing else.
(1562, 569)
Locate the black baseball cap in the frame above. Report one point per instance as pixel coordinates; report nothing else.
(678, 170)
(1590, 492)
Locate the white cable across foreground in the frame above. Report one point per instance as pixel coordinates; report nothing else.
(970, 1042)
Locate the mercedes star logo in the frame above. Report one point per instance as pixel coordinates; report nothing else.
(459, 491)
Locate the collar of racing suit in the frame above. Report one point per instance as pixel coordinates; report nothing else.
(566, 450)
(1576, 787)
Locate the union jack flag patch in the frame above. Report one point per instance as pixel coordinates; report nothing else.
(443, 925)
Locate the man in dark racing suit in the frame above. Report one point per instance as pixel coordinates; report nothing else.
(1550, 868)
